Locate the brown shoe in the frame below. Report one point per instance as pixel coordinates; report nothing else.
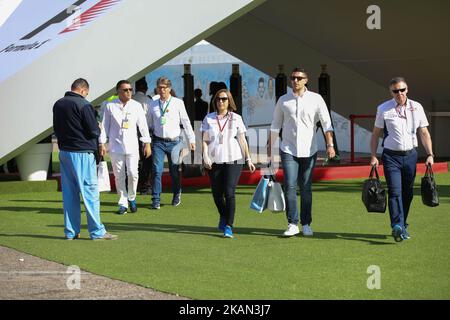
(107, 236)
(77, 236)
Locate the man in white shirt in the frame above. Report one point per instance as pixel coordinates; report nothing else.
(400, 119)
(297, 112)
(164, 118)
(145, 164)
(120, 121)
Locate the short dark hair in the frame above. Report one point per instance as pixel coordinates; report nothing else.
(198, 93)
(79, 83)
(299, 69)
(216, 86)
(396, 80)
(141, 85)
(121, 82)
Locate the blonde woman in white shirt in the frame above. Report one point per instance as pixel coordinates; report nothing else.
(120, 121)
(224, 151)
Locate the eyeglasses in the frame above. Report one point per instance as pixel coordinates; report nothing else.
(293, 78)
(163, 87)
(223, 99)
(399, 90)
(127, 89)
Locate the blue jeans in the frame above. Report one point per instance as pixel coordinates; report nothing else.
(400, 172)
(298, 171)
(172, 149)
(79, 175)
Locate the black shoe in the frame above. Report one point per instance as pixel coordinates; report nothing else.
(156, 206)
(122, 210)
(176, 199)
(133, 206)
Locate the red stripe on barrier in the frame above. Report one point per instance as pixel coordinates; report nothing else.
(319, 174)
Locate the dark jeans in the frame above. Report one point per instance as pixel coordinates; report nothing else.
(145, 171)
(298, 171)
(224, 179)
(400, 172)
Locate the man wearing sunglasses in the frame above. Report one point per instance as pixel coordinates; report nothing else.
(297, 112)
(399, 120)
(122, 117)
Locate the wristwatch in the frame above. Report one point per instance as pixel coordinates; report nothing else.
(330, 145)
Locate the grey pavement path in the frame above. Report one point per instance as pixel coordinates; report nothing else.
(26, 277)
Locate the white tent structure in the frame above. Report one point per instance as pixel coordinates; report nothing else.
(45, 45)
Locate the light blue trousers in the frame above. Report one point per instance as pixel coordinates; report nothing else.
(79, 174)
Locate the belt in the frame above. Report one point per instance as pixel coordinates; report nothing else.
(166, 139)
(398, 153)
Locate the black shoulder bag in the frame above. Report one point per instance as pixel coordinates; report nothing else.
(373, 194)
(428, 189)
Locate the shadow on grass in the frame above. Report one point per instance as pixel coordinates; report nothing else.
(38, 236)
(373, 239)
(443, 191)
(38, 210)
(47, 210)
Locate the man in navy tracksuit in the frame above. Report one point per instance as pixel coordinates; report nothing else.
(77, 131)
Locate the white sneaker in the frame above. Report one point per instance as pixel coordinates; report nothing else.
(292, 230)
(307, 231)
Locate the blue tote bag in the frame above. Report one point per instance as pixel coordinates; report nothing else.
(259, 200)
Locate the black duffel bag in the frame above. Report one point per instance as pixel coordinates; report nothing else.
(192, 170)
(373, 194)
(428, 188)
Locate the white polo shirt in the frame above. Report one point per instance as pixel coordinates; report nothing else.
(298, 115)
(401, 124)
(174, 115)
(232, 126)
(120, 124)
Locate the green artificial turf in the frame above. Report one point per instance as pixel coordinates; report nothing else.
(179, 250)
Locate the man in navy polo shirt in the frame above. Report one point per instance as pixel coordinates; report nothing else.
(77, 131)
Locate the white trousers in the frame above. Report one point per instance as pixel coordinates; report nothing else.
(121, 164)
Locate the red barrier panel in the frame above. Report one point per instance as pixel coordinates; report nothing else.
(320, 174)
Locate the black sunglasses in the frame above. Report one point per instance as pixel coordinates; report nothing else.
(127, 89)
(399, 90)
(223, 99)
(297, 78)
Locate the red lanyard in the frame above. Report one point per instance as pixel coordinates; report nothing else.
(401, 111)
(218, 122)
